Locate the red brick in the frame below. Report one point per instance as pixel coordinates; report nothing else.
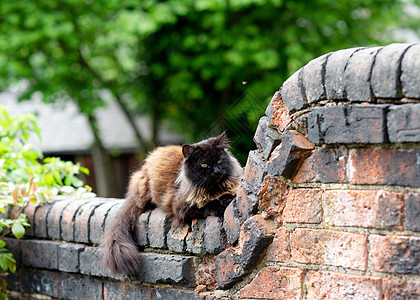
(279, 250)
(41, 254)
(386, 166)
(331, 285)
(394, 254)
(176, 238)
(303, 206)
(29, 211)
(275, 283)
(40, 220)
(67, 220)
(281, 115)
(271, 197)
(400, 289)
(206, 273)
(247, 203)
(195, 238)
(324, 165)
(364, 208)
(82, 218)
(228, 269)
(328, 247)
(412, 212)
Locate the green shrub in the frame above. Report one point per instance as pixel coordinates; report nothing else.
(26, 177)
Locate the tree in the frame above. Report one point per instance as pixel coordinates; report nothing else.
(189, 63)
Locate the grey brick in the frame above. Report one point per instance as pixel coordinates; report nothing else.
(176, 238)
(385, 80)
(403, 123)
(313, 79)
(334, 73)
(14, 245)
(357, 75)
(69, 257)
(42, 282)
(255, 171)
(165, 268)
(228, 269)
(39, 253)
(347, 124)
(214, 235)
(292, 92)
(266, 138)
(410, 72)
(82, 220)
(91, 263)
(97, 221)
(412, 212)
(75, 286)
(141, 230)
(158, 228)
(54, 218)
(232, 222)
(195, 239)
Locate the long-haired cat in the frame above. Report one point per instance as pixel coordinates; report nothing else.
(188, 182)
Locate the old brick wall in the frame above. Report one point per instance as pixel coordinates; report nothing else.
(329, 207)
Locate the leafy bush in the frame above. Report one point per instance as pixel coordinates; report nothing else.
(25, 177)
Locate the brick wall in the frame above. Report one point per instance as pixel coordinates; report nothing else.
(329, 207)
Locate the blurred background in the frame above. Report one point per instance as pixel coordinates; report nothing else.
(111, 79)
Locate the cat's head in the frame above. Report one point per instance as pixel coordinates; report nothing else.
(208, 162)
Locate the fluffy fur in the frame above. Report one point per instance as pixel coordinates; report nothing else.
(188, 182)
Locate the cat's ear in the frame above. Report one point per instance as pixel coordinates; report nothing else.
(187, 150)
(222, 139)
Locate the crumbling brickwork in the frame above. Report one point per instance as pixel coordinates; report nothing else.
(329, 207)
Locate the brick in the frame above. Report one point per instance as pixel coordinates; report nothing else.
(40, 220)
(266, 138)
(277, 112)
(69, 257)
(385, 79)
(334, 73)
(328, 247)
(158, 228)
(14, 247)
(347, 124)
(246, 202)
(255, 170)
(313, 78)
(412, 212)
(214, 236)
(272, 197)
(256, 235)
(97, 221)
(292, 92)
(357, 75)
(228, 269)
(113, 212)
(12, 280)
(29, 212)
(326, 165)
(332, 285)
(195, 238)
(82, 220)
(275, 283)
(42, 282)
(54, 218)
(206, 273)
(364, 208)
(386, 166)
(289, 155)
(91, 263)
(403, 123)
(39, 253)
(165, 268)
(400, 289)
(410, 72)
(303, 206)
(67, 220)
(75, 286)
(279, 250)
(232, 222)
(394, 254)
(176, 238)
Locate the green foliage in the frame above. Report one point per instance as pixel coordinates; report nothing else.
(25, 179)
(182, 61)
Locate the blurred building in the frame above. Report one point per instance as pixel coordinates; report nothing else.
(66, 133)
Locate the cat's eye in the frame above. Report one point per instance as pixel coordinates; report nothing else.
(204, 165)
(220, 160)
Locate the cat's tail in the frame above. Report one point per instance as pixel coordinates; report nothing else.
(118, 245)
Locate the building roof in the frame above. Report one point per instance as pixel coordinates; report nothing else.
(65, 130)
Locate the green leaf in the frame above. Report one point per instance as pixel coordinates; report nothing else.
(18, 230)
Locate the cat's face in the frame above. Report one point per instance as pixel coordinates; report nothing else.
(208, 163)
